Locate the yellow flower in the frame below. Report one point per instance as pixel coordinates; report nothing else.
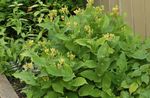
(77, 11)
(109, 36)
(70, 55)
(61, 61)
(28, 66)
(45, 78)
(63, 17)
(53, 52)
(30, 43)
(88, 29)
(90, 3)
(64, 10)
(46, 51)
(75, 23)
(115, 10)
(99, 9)
(52, 14)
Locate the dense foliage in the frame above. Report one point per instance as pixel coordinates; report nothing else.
(85, 55)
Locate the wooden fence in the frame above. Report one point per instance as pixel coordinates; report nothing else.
(138, 13)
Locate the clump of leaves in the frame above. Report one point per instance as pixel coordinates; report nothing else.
(92, 54)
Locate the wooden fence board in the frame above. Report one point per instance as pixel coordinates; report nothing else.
(6, 90)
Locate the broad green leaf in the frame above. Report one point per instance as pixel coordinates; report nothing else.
(124, 84)
(103, 66)
(40, 61)
(89, 90)
(65, 71)
(145, 68)
(135, 73)
(84, 42)
(140, 54)
(145, 93)
(106, 80)
(58, 87)
(100, 41)
(148, 58)
(79, 81)
(106, 22)
(133, 87)
(72, 95)
(91, 75)
(104, 51)
(122, 63)
(33, 92)
(145, 78)
(125, 94)
(27, 77)
(51, 94)
(89, 64)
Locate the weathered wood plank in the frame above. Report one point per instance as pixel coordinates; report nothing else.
(139, 17)
(6, 90)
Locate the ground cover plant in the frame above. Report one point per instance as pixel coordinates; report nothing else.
(83, 53)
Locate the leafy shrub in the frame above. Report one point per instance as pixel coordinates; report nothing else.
(92, 54)
(18, 23)
(60, 55)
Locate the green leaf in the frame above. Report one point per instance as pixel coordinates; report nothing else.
(122, 63)
(106, 22)
(27, 77)
(84, 42)
(145, 78)
(140, 54)
(58, 87)
(89, 64)
(51, 94)
(65, 71)
(148, 58)
(104, 51)
(89, 90)
(72, 95)
(145, 68)
(106, 80)
(135, 73)
(133, 87)
(91, 75)
(103, 66)
(125, 94)
(79, 81)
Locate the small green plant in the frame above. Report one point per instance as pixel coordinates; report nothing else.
(91, 54)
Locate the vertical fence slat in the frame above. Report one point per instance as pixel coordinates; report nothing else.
(106, 4)
(97, 2)
(147, 8)
(126, 7)
(139, 12)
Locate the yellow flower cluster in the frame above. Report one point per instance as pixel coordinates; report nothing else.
(90, 3)
(64, 10)
(28, 66)
(52, 14)
(115, 10)
(77, 11)
(42, 43)
(70, 55)
(109, 36)
(99, 9)
(62, 17)
(53, 52)
(46, 51)
(45, 78)
(60, 62)
(88, 29)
